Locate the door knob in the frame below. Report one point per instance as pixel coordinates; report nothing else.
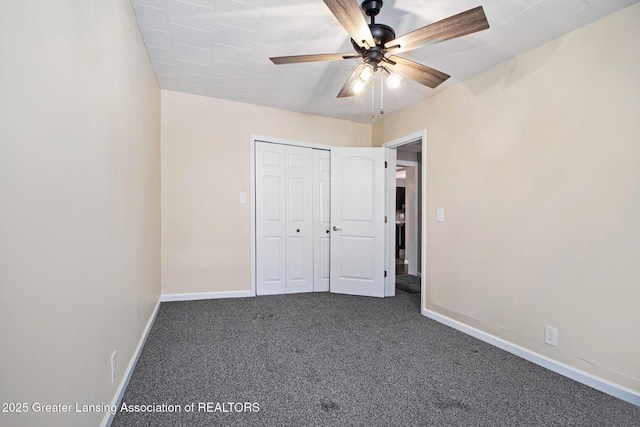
(336, 228)
(327, 231)
(298, 230)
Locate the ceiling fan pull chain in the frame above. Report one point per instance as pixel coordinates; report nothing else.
(381, 93)
(373, 103)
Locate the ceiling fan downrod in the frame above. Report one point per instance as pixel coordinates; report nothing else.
(371, 8)
(381, 34)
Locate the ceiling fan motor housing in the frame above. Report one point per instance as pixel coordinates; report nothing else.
(382, 33)
(375, 54)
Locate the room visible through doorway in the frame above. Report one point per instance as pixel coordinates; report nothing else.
(407, 217)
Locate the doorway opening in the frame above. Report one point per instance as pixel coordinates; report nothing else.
(410, 222)
(407, 209)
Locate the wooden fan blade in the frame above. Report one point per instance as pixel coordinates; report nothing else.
(418, 72)
(347, 89)
(464, 23)
(348, 13)
(279, 60)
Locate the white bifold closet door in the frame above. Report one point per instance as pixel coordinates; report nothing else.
(284, 219)
(321, 219)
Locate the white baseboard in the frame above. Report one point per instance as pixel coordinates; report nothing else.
(575, 374)
(206, 295)
(108, 418)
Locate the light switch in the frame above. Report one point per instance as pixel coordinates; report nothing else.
(440, 215)
(243, 197)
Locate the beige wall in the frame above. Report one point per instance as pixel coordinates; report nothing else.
(206, 232)
(79, 202)
(537, 164)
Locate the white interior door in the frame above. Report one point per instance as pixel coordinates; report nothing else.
(270, 219)
(321, 219)
(357, 220)
(284, 219)
(299, 219)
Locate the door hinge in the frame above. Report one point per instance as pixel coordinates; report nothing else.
(386, 165)
(385, 273)
(385, 219)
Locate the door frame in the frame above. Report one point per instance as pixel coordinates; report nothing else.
(252, 150)
(408, 139)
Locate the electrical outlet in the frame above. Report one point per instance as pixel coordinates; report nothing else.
(440, 215)
(551, 336)
(114, 366)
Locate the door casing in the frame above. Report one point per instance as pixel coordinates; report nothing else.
(408, 139)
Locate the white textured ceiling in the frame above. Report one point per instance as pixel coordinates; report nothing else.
(221, 48)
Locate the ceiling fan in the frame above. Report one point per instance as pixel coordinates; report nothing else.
(378, 46)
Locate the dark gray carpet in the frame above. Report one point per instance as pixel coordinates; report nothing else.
(334, 360)
(408, 283)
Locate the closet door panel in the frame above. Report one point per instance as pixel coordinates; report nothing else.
(321, 218)
(270, 219)
(292, 218)
(299, 219)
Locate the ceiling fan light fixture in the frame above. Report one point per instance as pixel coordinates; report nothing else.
(365, 75)
(394, 80)
(358, 87)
